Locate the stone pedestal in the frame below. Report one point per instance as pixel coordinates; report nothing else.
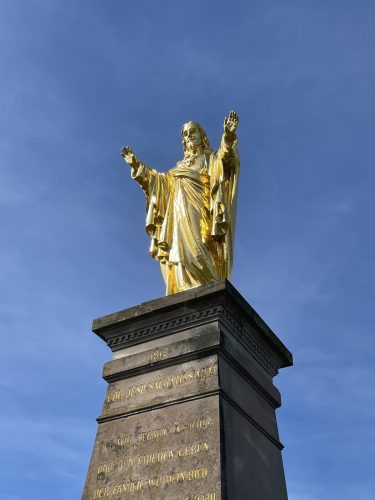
(189, 412)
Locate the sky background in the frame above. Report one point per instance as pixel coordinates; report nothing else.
(78, 80)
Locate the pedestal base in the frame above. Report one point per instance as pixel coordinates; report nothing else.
(189, 412)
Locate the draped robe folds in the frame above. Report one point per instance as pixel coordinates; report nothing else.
(191, 215)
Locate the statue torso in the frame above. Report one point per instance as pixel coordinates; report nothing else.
(193, 163)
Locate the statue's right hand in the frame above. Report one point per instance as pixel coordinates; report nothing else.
(129, 156)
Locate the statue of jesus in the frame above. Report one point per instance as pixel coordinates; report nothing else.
(191, 209)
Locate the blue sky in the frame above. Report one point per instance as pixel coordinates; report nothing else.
(78, 80)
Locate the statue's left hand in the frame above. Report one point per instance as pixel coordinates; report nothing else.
(129, 156)
(231, 123)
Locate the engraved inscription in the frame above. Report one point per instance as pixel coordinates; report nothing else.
(101, 493)
(121, 442)
(159, 354)
(125, 463)
(124, 442)
(190, 475)
(176, 428)
(171, 452)
(154, 482)
(105, 468)
(156, 457)
(115, 396)
(136, 485)
(197, 474)
(163, 383)
(153, 458)
(192, 449)
(204, 496)
(128, 487)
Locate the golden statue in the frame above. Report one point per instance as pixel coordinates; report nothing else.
(191, 209)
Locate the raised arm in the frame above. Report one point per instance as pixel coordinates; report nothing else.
(155, 187)
(231, 124)
(139, 171)
(129, 156)
(228, 146)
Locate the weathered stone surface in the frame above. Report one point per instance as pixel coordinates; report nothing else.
(167, 350)
(171, 453)
(217, 301)
(189, 413)
(253, 465)
(160, 387)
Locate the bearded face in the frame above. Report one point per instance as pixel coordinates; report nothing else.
(191, 136)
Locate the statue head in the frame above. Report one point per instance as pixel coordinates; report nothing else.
(193, 137)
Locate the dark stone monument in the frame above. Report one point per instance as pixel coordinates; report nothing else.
(189, 412)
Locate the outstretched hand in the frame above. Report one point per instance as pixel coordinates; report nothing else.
(231, 123)
(129, 156)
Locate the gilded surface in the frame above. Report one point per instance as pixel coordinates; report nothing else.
(191, 209)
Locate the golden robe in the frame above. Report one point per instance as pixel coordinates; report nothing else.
(191, 215)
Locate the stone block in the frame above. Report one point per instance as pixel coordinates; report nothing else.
(189, 412)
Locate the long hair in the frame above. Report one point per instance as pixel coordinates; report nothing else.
(206, 142)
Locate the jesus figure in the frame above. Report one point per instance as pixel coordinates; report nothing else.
(191, 208)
